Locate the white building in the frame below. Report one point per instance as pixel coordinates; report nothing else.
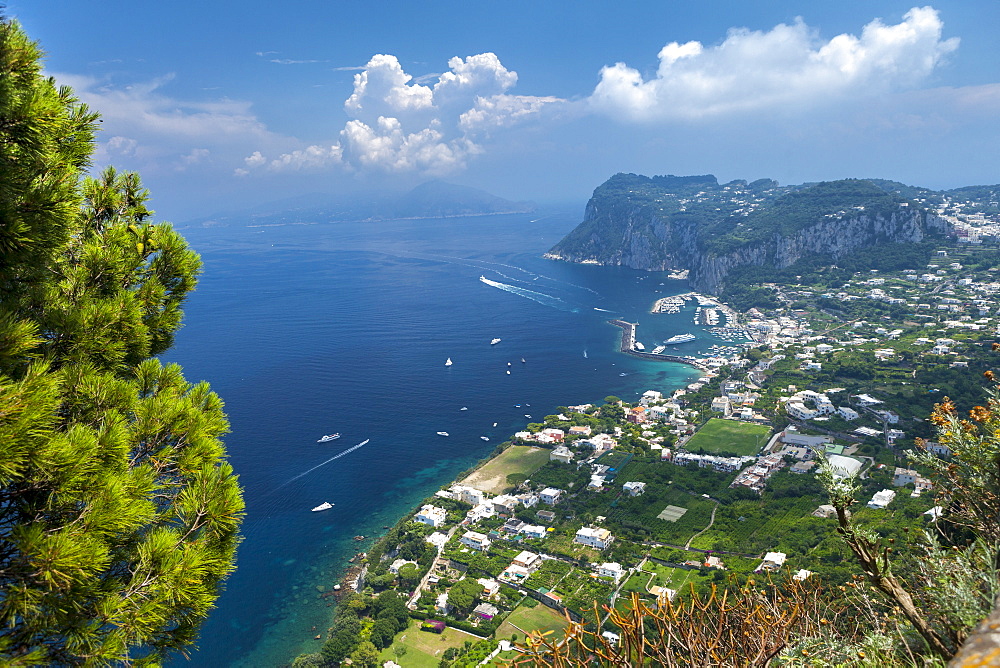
(561, 454)
(772, 561)
(847, 413)
(533, 531)
(475, 540)
(611, 570)
(844, 467)
(634, 488)
(550, 495)
(599, 538)
(882, 499)
(431, 515)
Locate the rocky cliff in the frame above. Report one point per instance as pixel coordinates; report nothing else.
(694, 223)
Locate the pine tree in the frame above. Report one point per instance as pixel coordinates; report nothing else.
(119, 515)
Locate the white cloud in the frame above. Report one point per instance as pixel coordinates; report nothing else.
(786, 68)
(402, 124)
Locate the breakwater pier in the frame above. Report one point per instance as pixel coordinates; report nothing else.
(628, 346)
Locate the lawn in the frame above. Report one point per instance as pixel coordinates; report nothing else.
(492, 476)
(720, 435)
(423, 648)
(539, 618)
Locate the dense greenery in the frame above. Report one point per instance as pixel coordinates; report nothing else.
(118, 511)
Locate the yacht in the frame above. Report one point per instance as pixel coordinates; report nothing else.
(329, 437)
(326, 505)
(442, 433)
(485, 438)
(494, 342)
(680, 338)
(464, 408)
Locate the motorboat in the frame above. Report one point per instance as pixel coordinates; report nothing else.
(485, 438)
(326, 505)
(329, 437)
(494, 342)
(442, 433)
(463, 408)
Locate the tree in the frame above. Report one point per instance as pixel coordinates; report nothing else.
(464, 594)
(365, 656)
(119, 515)
(383, 631)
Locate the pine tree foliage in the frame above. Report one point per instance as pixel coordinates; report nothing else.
(119, 514)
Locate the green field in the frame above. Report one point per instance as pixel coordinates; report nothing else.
(423, 648)
(492, 476)
(540, 618)
(739, 438)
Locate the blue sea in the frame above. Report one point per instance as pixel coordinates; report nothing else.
(309, 329)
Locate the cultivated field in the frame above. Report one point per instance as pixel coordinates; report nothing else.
(720, 435)
(492, 477)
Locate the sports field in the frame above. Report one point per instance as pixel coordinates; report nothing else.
(422, 648)
(740, 438)
(539, 618)
(492, 477)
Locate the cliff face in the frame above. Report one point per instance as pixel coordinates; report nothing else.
(711, 229)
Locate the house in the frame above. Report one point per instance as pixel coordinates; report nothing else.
(580, 430)
(546, 516)
(636, 415)
(825, 510)
(528, 500)
(505, 505)
(663, 595)
(714, 562)
(490, 587)
(611, 570)
(438, 540)
(801, 575)
(650, 396)
(485, 611)
(599, 538)
(882, 499)
(469, 495)
(475, 540)
(442, 606)
(556, 435)
(772, 561)
(561, 454)
(533, 531)
(528, 561)
(903, 476)
(721, 405)
(847, 413)
(550, 495)
(431, 515)
(634, 488)
(596, 483)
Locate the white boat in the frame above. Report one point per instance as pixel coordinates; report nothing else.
(522, 361)
(494, 424)
(442, 433)
(484, 438)
(658, 349)
(448, 362)
(463, 408)
(638, 346)
(326, 505)
(329, 437)
(527, 416)
(680, 338)
(494, 342)
(508, 372)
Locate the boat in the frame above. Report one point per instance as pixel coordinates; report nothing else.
(494, 342)
(326, 505)
(638, 346)
(527, 416)
(680, 338)
(448, 362)
(442, 433)
(508, 363)
(494, 424)
(485, 438)
(463, 408)
(329, 437)
(623, 374)
(658, 349)
(508, 372)
(522, 361)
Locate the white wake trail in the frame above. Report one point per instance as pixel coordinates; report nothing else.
(337, 456)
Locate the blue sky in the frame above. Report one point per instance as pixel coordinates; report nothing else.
(223, 106)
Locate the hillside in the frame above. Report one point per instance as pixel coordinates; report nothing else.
(712, 229)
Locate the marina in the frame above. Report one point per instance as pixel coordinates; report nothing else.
(628, 346)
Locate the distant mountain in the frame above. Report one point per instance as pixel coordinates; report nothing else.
(438, 199)
(715, 230)
(435, 199)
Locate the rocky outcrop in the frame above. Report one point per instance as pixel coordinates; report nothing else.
(639, 224)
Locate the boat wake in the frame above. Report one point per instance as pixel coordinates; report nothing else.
(337, 456)
(539, 297)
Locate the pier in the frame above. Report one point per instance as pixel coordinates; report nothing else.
(628, 346)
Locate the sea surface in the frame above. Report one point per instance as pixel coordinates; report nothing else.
(309, 329)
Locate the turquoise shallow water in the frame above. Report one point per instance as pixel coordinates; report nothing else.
(309, 329)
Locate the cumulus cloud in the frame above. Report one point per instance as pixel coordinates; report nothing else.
(432, 124)
(787, 67)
